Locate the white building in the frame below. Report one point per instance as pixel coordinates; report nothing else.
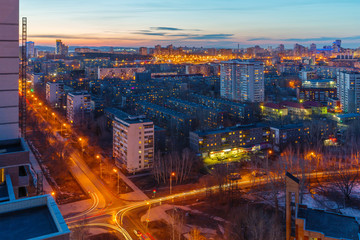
(55, 93)
(30, 49)
(9, 69)
(348, 90)
(133, 142)
(78, 107)
(242, 80)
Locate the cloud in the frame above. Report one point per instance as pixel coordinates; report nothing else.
(166, 29)
(80, 36)
(150, 33)
(259, 39)
(211, 36)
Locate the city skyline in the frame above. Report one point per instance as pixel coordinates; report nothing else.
(201, 23)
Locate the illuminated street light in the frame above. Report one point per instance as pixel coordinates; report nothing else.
(171, 175)
(82, 146)
(98, 157)
(118, 179)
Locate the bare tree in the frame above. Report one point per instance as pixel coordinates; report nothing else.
(343, 180)
(181, 164)
(253, 222)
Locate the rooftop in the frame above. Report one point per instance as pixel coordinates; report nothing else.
(348, 115)
(27, 223)
(274, 105)
(229, 129)
(35, 217)
(330, 224)
(10, 146)
(127, 117)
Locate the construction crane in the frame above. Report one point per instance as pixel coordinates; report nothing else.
(22, 108)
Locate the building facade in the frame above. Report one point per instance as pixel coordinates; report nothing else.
(133, 142)
(78, 107)
(55, 93)
(348, 91)
(9, 69)
(242, 80)
(235, 138)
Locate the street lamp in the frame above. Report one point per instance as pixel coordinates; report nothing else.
(118, 176)
(82, 146)
(98, 157)
(53, 114)
(61, 127)
(171, 175)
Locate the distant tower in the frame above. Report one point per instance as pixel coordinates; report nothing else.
(242, 80)
(58, 47)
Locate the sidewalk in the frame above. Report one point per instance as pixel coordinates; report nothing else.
(36, 167)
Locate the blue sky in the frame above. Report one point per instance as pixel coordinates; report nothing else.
(207, 23)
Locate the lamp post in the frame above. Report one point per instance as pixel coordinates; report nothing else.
(46, 109)
(171, 175)
(61, 131)
(82, 146)
(118, 187)
(98, 157)
(269, 152)
(53, 114)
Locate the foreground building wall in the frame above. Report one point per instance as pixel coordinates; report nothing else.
(9, 69)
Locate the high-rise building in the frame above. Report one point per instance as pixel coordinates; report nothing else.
(78, 107)
(55, 93)
(9, 69)
(30, 49)
(21, 218)
(348, 90)
(143, 51)
(336, 46)
(133, 142)
(60, 48)
(242, 80)
(313, 48)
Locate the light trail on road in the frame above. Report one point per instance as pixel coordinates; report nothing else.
(84, 213)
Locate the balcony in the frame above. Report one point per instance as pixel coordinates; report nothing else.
(23, 176)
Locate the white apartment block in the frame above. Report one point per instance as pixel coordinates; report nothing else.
(35, 79)
(242, 80)
(133, 142)
(9, 69)
(78, 107)
(348, 90)
(55, 93)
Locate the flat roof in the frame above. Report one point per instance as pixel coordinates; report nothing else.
(229, 129)
(127, 117)
(10, 146)
(27, 223)
(35, 217)
(348, 115)
(330, 224)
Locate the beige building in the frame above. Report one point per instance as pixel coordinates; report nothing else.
(78, 107)
(133, 142)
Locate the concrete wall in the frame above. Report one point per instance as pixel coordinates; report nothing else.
(9, 69)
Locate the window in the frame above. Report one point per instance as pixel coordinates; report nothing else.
(2, 175)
